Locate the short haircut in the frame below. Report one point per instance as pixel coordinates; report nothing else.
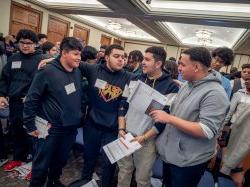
(104, 47)
(200, 54)
(244, 66)
(70, 43)
(159, 53)
(27, 34)
(111, 47)
(172, 68)
(172, 58)
(40, 36)
(136, 56)
(47, 46)
(88, 53)
(226, 54)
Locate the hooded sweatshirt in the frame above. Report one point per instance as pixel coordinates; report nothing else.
(55, 95)
(203, 101)
(105, 99)
(139, 123)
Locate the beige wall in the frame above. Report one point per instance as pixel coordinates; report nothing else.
(5, 16)
(137, 45)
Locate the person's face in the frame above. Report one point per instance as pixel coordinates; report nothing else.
(125, 61)
(115, 60)
(26, 46)
(149, 64)
(100, 53)
(43, 40)
(58, 45)
(217, 63)
(247, 83)
(72, 58)
(53, 51)
(187, 68)
(245, 73)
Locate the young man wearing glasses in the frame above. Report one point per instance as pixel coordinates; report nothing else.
(15, 81)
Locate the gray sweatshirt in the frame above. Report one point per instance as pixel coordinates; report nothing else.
(203, 101)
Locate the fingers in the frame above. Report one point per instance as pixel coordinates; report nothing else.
(4, 102)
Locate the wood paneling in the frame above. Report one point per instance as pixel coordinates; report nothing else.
(105, 40)
(57, 29)
(22, 17)
(82, 33)
(116, 41)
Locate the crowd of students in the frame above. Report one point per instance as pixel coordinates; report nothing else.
(69, 85)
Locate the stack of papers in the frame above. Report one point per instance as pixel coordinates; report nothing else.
(42, 126)
(121, 147)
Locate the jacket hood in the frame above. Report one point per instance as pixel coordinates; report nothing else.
(213, 76)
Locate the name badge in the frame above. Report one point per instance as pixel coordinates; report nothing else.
(100, 83)
(16, 64)
(70, 88)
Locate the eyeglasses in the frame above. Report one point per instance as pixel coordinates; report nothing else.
(26, 43)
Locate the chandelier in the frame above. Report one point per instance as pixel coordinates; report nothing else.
(204, 37)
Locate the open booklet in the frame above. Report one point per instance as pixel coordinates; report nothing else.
(145, 98)
(120, 148)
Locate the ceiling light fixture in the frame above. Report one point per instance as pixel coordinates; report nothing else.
(204, 37)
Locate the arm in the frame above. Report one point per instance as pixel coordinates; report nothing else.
(33, 99)
(5, 80)
(234, 102)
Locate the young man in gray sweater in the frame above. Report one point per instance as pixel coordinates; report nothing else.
(189, 139)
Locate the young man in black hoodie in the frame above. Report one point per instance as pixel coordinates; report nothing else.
(141, 125)
(15, 81)
(54, 99)
(106, 84)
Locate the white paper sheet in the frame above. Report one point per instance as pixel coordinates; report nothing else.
(120, 148)
(42, 127)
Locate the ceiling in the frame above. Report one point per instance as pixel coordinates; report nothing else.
(177, 22)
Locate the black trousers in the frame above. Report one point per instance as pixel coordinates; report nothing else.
(50, 156)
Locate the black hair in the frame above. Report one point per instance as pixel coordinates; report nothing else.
(111, 47)
(244, 66)
(226, 54)
(125, 55)
(27, 34)
(159, 53)
(172, 58)
(136, 56)
(47, 46)
(104, 47)
(40, 36)
(172, 68)
(70, 43)
(200, 54)
(88, 53)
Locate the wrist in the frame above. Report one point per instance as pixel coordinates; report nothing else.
(122, 129)
(237, 170)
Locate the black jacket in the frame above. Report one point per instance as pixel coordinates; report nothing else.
(49, 99)
(105, 104)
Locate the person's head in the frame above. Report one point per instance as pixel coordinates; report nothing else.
(135, 59)
(245, 72)
(172, 59)
(125, 59)
(42, 38)
(172, 68)
(27, 41)
(49, 48)
(89, 54)
(9, 39)
(194, 63)
(154, 60)
(101, 51)
(247, 83)
(70, 52)
(222, 56)
(233, 70)
(114, 56)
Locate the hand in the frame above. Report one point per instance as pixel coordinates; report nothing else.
(23, 99)
(34, 133)
(140, 139)
(160, 116)
(3, 102)
(238, 178)
(44, 62)
(122, 133)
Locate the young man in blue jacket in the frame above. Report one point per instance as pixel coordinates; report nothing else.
(54, 99)
(106, 84)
